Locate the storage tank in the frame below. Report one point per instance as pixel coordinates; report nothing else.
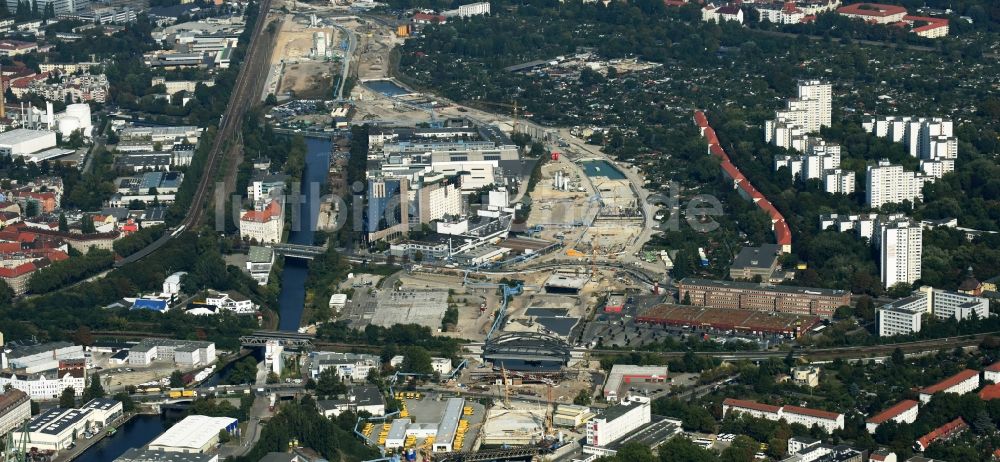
(67, 125)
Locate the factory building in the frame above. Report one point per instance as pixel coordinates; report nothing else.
(622, 375)
(185, 353)
(23, 141)
(55, 429)
(194, 434)
(448, 427)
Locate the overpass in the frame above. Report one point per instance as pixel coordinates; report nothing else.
(307, 252)
(286, 339)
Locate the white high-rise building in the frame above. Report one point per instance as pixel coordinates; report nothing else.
(838, 181)
(900, 252)
(807, 113)
(928, 138)
(886, 183)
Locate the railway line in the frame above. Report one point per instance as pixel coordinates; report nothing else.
(240, 100)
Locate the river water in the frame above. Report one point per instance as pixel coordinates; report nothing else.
(293, 279)
(136, 433)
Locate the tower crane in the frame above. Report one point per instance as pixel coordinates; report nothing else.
(514, 107)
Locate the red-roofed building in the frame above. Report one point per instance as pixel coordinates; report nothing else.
(882, 455)
(990, 392)
(960, 384)
(264, 225)
(875, 13)
(425, 18)
(992, 373)
(753, 408)
(942, 433)
(826, 420)
(927, 27)
(717, 14)
(16, 47)
(904, 411)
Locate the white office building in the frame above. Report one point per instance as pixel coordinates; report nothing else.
(900, 252)
(886, 183)
(618, 420)
(901, 317)
(349, 366)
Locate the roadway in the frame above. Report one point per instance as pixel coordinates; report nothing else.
(240, 100)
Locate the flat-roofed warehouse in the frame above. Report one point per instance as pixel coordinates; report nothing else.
(194, 434)
(624, 374)
(762, 297)
(722, 319)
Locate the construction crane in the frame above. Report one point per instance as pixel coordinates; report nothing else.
(549, 416)
(17, 451)
(506, 386)
(514, 107)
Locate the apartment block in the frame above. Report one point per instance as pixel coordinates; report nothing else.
(826, 420)
(903, 316)
(805, 114)
(961, 383)
(904, 411)
(886, 183)
(900, 252)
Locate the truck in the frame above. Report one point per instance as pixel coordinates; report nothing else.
(173, 394)
(189, 393)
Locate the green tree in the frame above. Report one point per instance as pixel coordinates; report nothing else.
(416, 360)
(329, 384)
(582, 398)
(63, 223)
(176, 379)
(742, 450)
(128, 405)
(272, 377)
(681, 449)
(95, 390)
(67, 399)
(224, 436)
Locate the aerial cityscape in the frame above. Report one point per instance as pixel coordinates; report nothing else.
(510, 230)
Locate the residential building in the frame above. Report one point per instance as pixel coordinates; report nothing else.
(903, 316)
(992, 373)
(805, 114)
(349, 366)
(762, 297)
(264, 225)
(471, 9)
(15, 408)
(47, 385)
(882, 455)
(622, 375)
(195, 434)
(873, 12)
(928, 138)
(780, 13)
(806, 376)
(717, 13)
(183, 353)
(886, 183)
(754, 262)
(829, 421)
(942, 433)
(259, 263)
(900, 252)
(16, 47)
(798, 443)
(838, 181)
(231, 300)
(618, 420)
(959, 384)
(904, 411)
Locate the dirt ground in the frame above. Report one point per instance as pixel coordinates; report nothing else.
(306, 77)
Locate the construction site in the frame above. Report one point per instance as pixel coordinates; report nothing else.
(307, 56)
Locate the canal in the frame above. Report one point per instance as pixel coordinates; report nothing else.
(136, 433)
(293, 280)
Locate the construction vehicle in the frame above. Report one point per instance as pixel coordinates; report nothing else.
(173, 394)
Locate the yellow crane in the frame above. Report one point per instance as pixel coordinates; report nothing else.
(515, 108)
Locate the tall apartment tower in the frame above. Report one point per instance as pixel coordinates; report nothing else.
(900, 252)
(887, 183)
(805, 114)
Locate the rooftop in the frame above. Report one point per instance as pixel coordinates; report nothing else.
(194, 432)
(871, 9)
(765, 287)
(950, 382)
(893, 411)
(145, 455)
(762, 257)
(746, 404)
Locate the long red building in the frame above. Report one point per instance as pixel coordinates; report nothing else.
(782, 234)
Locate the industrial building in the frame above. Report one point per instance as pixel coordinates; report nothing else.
(571, 415)
(530, 351)
(185, 353)
(145, 455)
(194, 434)
(445, 439)
(560, 283)
(55, 429)
(103, 411)
(23, 141)
(762, 297)
(622, 375)
(30, 359)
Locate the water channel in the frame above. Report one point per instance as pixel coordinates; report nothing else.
(293, 278)
(135, 433)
